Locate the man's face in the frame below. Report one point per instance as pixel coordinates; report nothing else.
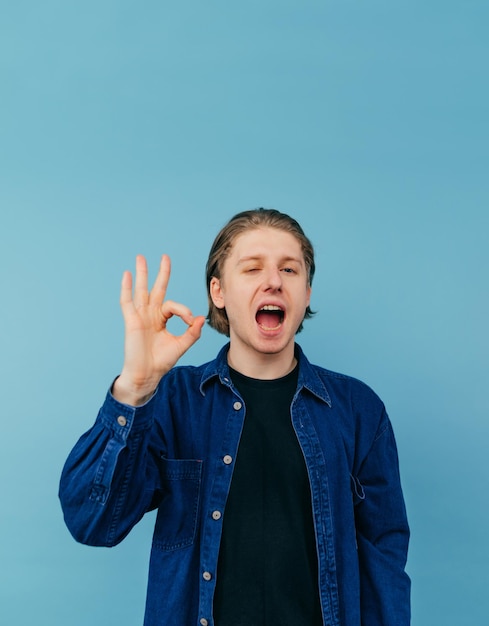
(265, 290)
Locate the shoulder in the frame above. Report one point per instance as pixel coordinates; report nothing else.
(184, 375)
(337, 380)
(355, 405)
(345, 392)
(196, 376)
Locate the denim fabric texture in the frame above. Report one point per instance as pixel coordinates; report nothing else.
(176, 453)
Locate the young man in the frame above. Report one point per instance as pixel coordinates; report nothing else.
(276, 481)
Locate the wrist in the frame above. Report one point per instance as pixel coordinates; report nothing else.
(132, 395)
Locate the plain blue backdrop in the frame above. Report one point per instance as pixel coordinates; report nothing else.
(141, 127)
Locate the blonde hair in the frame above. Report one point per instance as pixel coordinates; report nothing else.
(223, 243)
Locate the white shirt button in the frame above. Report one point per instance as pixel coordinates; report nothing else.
(216, 515)
(207, 576)
(121, 420)
(228, 459)
(204, 622)
(237, 406)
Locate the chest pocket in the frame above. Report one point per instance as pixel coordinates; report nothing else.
(176, 521)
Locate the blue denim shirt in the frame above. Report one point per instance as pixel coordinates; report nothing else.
(176, 453)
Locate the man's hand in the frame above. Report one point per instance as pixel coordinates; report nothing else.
(150, 350)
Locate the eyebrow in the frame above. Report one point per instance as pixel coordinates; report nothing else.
(259, 257)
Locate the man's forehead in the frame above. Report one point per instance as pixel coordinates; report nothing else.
(264, 241)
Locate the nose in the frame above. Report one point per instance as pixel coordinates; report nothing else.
(273, 279)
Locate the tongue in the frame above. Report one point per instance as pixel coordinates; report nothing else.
(268, 319)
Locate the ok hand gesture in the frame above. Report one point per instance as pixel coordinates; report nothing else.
(150, 350)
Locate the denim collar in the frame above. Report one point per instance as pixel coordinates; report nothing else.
(308, 376)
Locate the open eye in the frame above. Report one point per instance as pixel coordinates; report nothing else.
(289, 270)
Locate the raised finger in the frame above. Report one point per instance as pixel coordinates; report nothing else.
(157, 295)
(126, 288)
(141, 295)
(170, 308)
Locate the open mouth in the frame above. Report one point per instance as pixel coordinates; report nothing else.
(270, 317)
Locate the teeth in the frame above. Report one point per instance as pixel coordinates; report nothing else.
(271, 307)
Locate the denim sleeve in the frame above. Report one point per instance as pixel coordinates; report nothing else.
(110, 477)
(382, 534)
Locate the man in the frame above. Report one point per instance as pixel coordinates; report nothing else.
(276, 481)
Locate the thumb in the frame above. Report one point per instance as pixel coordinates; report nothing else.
(193, 332)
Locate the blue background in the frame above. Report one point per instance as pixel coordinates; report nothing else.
(142, 127)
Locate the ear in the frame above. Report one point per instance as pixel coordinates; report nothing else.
(309, 289)
(216, 293)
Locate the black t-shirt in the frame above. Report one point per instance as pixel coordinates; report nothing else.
(267, 572)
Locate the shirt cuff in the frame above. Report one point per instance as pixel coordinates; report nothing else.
(125, 418)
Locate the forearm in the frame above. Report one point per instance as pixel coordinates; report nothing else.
(107, 481)
(385, 587)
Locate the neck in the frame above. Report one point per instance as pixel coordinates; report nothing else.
(262, 366)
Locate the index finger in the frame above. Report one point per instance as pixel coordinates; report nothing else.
(126, 289)
(158, 292)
